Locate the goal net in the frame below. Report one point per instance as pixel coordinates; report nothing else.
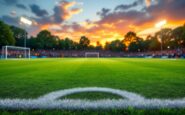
(92, 54)
(13, 52)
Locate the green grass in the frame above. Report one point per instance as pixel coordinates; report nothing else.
(129, 111)
(152, 78)
(92, 96)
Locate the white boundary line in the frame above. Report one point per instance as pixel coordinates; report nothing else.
(52, 101)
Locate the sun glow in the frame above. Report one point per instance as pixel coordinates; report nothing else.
(160, 24)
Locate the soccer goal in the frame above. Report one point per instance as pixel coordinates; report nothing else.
(14, 52)
(92, 54)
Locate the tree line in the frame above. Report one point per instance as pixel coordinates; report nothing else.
(169, 38)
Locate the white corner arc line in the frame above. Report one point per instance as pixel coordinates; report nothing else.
(52, 101)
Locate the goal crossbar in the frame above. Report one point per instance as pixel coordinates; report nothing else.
(16, 47)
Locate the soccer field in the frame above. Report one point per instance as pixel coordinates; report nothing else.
(151, 78)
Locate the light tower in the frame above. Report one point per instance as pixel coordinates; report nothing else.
(25, 22)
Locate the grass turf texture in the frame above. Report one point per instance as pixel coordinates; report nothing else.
(129, 111)
(152, 78)
(92, 96)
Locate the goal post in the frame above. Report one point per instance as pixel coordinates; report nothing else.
(92, 54)
(14, 52)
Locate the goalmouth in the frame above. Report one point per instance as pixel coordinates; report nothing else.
(14, 52)
(92, 54)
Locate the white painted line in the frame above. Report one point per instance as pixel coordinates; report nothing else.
(52, 101)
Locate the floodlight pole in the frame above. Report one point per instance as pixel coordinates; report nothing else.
(28, 22)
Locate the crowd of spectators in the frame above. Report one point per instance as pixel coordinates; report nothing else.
(179, 53)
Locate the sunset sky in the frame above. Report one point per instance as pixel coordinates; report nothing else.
(99, 20)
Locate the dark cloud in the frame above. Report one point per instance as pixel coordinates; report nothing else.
(61, 11)
(56, 18)
(38, 11)
(103, 12)
(126, 7)
(21, 6)
(121, 21)
(172, 9)
(169, 9)
(132, 16)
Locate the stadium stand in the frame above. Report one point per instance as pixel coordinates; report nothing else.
(103, 53)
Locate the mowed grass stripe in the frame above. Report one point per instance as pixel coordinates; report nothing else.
(92, 73)
(34, 78)
(49, 76)
(149, 81)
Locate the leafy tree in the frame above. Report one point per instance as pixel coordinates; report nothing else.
(98, 46)
(32, 43)
(6, 35)
(137, 45)
(165, 37)
(91, 47)
(117, 45)
(46, 41)
(154, 44)
(146, 43)
(107, 46)
(61, 44)
(84, 42)
(129, 38)
(75, 46)
(133, 47)
(20, 35)
(68, 44)
(179, 36)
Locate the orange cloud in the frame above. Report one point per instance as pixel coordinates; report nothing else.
(115, 25)
(67, 13)
(148, 2)
(76, 11)
(66, 5)
(105, 34)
